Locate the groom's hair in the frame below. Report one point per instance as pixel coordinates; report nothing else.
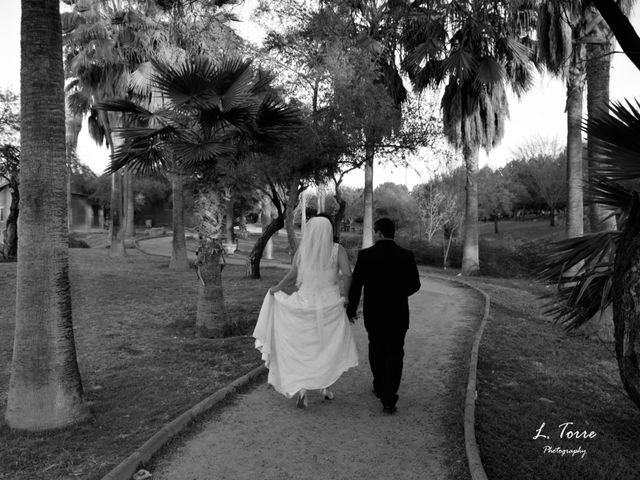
(386, 227)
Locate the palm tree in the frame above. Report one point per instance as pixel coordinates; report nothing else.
(214, 111)
(475, 49)
(576, 43)
(604, 265)
(561, 29)
(105, 45)
(45, 390)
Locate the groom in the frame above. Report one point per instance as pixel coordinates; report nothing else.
(389, 275)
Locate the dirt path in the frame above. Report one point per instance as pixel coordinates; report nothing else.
(262, 434)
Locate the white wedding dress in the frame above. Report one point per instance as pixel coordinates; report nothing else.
(305, 338)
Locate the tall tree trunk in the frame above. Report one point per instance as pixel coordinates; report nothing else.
(211, 315)
(129, 223)
(367, 223)
(292, 203)
(496, 230)
(117, 228)
(266, 219)
(339, 216)
(242, 228)
(68, 199)
(253, 262)
(303, 212)
(575, 89)
(552, 218)
(179, 260)
(228, 227)
(45, 390)
(10, 246)
(626, 281)
(470, 248)
(73, 125)
(598, 75)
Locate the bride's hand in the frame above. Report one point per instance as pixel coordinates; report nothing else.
(273, 290)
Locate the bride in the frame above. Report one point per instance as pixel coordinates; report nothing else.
(305, 338)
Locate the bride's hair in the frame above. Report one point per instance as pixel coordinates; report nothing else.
(314, 252)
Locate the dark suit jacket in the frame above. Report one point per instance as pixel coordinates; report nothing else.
(389, 275)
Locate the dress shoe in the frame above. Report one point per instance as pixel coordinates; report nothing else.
(389, 409)
(301, 401)
(327, 394)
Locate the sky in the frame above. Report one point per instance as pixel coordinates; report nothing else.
(539, 113)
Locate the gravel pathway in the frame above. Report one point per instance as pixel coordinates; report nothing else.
(261, 435)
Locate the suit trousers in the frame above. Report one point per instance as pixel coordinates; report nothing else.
(386, 353)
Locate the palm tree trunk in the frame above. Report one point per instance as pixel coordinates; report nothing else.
(73, 125)
(211, 316)
(117, 247)
(470, 248)
(130, 225)
(626, 281)
(179, 260)
(367, 223)
(598, 76)
(228, 227)
(10, 247)
(575, 89)
(292, 202)
(45, 390)
(253, 261)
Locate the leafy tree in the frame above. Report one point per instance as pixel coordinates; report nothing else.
(441, 207)
(9, 170)
(394, 201)
(475, 49)
(495, 197)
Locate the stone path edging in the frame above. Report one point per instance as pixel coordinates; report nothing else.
(130, 465)
(140, 249)
(471, 446)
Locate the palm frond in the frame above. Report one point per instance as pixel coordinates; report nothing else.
(460, 63)
(276, 121)
(601, 190)
(489, 71)
(96, 129)
(138, 113)
(579, 252)
(202, 154)
(143, 150)
(78, 102)
(188, 84)
(589, 294)
(140, 79)
(616, 137)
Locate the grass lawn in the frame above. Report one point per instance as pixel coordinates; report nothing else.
(531, 372)
(510, 230)
(140, 362)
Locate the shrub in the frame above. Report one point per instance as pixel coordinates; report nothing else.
(517, 259)
(76, 242)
